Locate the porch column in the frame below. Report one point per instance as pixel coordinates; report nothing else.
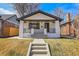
(45, 31)
(57, 27)
(21, 29)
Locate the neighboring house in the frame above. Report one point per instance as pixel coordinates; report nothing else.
(8, 25)
(67, 28)
(39, 24)
(76, 26)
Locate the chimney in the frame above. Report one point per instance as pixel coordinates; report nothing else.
(68, 17)
(68, 25)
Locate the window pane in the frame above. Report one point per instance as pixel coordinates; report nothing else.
(52, 30)
(34, 25)
(26, 30)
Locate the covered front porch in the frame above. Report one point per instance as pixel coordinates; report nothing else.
(41, 29)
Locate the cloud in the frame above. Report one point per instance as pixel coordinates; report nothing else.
(4, 11)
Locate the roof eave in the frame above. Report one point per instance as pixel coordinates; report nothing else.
(39, 11)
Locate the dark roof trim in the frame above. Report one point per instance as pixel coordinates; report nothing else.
(11, 17)
(67, 23)
(10, 22)
(39, 11)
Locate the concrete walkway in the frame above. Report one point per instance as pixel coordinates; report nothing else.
(38, 48)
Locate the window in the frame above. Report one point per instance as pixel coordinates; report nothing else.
(34, 25)
(26, 30)
(52, 30)
(53, 25)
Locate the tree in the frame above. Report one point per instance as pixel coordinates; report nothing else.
(76, 26)
(25, 8)
(59, 12)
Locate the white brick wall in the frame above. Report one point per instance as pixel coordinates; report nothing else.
(57, 28)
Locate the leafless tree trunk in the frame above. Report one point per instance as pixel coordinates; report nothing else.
(25, 8)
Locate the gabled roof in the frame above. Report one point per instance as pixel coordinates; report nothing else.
(39, 11)
(6, 16)
(10, 18)
(71, 22)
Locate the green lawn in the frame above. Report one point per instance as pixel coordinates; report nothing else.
(14, 47)
(63, 47)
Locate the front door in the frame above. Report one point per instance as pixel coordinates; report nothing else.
(47, 26)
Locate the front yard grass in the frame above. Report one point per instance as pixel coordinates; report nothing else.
(14, 47)
(63, 47)
(58, 47)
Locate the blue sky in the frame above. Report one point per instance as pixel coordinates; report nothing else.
(67, 7)
(48, 7)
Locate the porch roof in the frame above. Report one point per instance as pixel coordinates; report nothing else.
(39, 11)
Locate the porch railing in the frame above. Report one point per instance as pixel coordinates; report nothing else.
(38, 31)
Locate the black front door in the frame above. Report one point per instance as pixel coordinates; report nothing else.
(47, 26)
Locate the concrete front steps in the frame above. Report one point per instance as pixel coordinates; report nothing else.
(39, 49)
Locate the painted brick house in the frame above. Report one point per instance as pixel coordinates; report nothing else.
(67, 28)
(39, 24)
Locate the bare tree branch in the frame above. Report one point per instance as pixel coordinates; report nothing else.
(25, 8)
(59, 12)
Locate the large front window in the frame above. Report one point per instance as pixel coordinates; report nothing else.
(34, 25)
